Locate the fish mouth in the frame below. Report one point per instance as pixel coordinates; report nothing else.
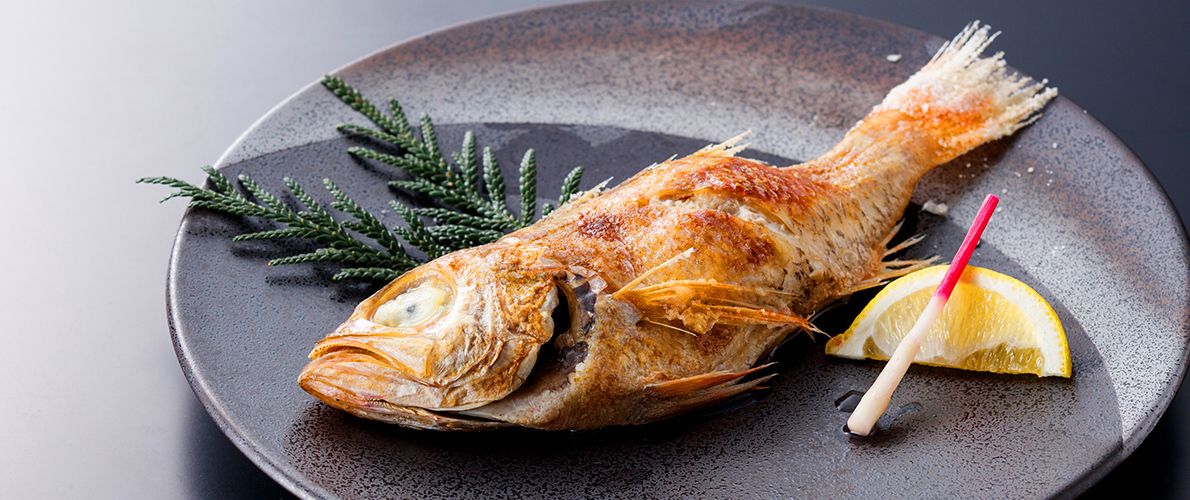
(353, 347)
(350, 374)
(339, 377)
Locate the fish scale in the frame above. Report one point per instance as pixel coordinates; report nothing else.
(671, 286)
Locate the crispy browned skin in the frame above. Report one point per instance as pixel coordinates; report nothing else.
(804, 240)
(677, 281)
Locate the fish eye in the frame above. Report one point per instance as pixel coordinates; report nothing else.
(416, 306)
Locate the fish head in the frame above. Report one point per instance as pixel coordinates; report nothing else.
(454, 334)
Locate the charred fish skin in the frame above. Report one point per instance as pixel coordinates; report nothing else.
(675, 282)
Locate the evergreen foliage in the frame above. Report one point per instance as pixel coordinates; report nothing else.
(473, 190)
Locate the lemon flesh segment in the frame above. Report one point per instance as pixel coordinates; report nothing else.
(991, 323)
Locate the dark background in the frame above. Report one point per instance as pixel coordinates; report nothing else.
(96, 95)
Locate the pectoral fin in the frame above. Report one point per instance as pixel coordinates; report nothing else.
(674, 397)
(702, 304)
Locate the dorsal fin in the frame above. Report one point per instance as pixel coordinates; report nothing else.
(725, 149)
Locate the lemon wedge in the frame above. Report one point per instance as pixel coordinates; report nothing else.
(991, 323)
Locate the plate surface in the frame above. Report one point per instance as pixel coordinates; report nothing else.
(615, 87)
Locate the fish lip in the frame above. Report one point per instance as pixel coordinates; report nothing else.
(378, 408)
(386, 411)
(320, 386)
(313, 381)
(343, 397)
(331, 345)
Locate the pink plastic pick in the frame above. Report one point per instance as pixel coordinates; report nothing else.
(875, 401)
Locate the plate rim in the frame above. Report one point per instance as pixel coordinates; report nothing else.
(288, 476)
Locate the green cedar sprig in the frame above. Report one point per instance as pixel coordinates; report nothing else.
(313, 223)
(479, 210)
(474, 192)
(569, 189)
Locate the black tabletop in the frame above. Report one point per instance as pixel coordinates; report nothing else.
(96, 95)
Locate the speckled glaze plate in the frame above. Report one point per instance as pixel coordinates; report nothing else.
(615, 87)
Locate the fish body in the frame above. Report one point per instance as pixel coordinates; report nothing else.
(658, 296)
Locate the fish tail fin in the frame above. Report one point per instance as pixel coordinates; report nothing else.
(956, 102)
(968, 99)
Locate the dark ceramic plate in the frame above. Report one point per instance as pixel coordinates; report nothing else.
(615, 87)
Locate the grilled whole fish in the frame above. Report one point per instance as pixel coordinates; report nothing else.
(658, 296)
